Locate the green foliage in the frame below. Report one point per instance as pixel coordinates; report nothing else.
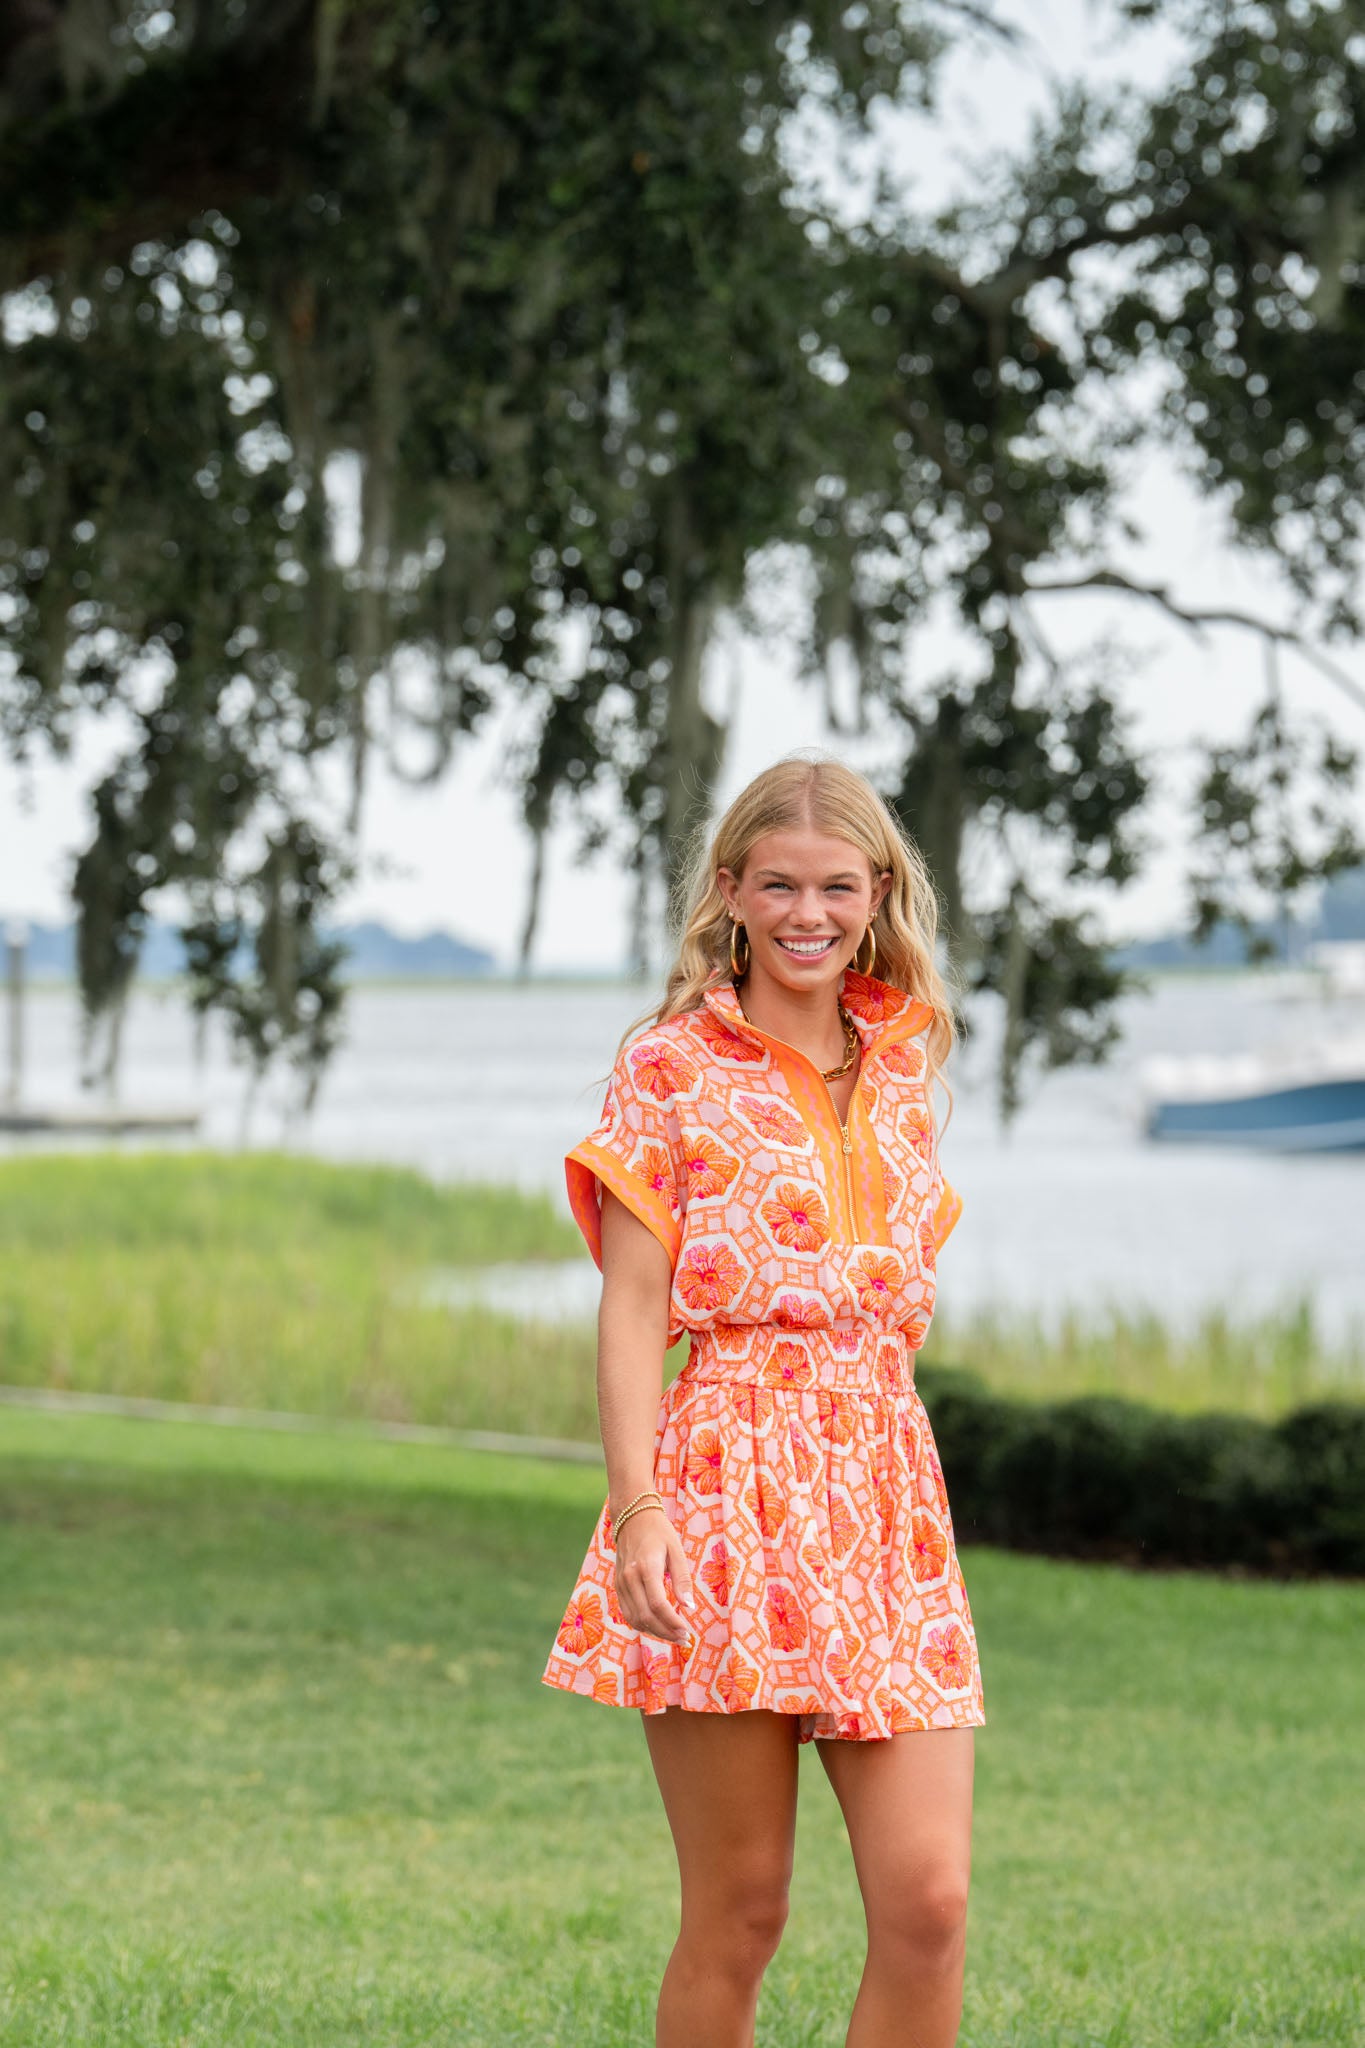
(1059, 982)
(542, 283)
(279, 1774)
(1276, 814)
(1246, 195)
(1098, 1477)
(1059, 768)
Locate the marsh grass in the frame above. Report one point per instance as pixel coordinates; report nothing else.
(272, 1281)
(280, 1773)
(1263, 1366)
(262, 1280)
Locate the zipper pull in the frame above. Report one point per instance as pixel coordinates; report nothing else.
(848, 1142)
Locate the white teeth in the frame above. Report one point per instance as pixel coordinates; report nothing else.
(808, 946)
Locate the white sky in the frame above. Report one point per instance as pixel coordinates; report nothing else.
(454, 856)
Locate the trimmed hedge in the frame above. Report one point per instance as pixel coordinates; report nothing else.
(1100, 1477)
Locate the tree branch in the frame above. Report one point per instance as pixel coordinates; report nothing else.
(1198, 621)
(1004, 534)
(980, 16)
(1000, 290)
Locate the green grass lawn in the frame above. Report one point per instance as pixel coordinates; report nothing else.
(277, 1769)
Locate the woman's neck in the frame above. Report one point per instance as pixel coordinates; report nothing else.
(807, 1019)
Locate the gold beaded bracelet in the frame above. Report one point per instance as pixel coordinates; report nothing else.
(649, 1493)
(636, 1507)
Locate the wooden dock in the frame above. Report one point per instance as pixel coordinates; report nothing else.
(109, 1121)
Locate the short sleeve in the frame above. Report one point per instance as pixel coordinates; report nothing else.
(631, 1151)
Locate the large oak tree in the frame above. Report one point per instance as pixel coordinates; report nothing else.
(540, 285)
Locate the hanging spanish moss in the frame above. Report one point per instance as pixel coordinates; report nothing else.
(373, 370)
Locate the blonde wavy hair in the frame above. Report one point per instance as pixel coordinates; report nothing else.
(809, 791)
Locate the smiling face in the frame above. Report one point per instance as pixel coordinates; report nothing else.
(805, 899)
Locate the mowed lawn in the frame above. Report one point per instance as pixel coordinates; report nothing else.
(277, 1767)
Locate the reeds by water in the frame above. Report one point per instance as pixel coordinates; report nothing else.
(272, 1281)
(1261, 1365)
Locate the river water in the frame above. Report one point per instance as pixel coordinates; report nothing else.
(1071, 1209)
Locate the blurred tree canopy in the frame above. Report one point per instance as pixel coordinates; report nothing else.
(371, 367)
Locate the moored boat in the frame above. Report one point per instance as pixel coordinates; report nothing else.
(1314, 1102)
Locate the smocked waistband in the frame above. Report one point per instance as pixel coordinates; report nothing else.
(848, 1356)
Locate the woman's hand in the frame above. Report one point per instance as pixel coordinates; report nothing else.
(648, 1548)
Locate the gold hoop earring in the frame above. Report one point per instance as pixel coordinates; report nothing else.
(871, 938)
(735, 928)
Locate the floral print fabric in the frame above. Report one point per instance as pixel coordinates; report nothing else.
(792, 1451)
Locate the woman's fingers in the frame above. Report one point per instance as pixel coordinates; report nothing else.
(679, 1570)
(661, 1618)
(640, 1588)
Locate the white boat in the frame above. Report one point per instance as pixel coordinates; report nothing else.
(1310, 1102)
(1308, 1096)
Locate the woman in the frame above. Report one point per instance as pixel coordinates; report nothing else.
(774, 1563)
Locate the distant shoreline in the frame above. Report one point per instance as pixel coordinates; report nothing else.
(171, 984)
(1266, 971)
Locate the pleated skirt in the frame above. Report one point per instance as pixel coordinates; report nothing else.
(806, 1487)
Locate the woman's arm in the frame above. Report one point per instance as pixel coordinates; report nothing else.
(632, 1337)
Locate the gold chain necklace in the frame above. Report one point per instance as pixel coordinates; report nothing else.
(850, 1041)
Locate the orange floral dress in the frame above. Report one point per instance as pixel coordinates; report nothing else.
(793, 1454)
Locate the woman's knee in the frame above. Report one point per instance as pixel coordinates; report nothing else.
(923, 1908)
(762, 1916)
(741, 1920)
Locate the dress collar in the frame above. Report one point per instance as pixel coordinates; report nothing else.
(880, 1012)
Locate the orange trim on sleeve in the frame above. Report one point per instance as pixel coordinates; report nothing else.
(946, 1214)
(589, 1168)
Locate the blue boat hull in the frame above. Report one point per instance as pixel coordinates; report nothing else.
(1316, 1116)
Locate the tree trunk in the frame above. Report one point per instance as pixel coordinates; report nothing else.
(943, 823)
(377, 495)
(1014, 989)
(694, 741)
(533, 889)
(638, 949)
(932, 802)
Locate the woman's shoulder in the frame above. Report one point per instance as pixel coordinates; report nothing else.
(672, 1029)
(659, 1059)
(692, 1029)
(672, 1056)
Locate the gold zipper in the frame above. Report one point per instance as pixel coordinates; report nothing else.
(847, 1145)
(844, 1134)
(847, 1141)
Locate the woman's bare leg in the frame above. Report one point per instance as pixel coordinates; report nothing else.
(729, 1790)
(907, 1801)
